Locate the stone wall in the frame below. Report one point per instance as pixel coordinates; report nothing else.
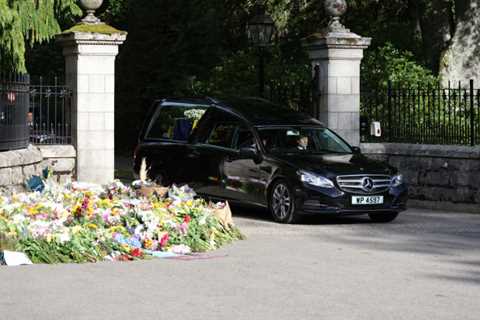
(439, 177)
(60, 159)
(17, 166)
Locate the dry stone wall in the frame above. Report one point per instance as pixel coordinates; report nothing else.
(439, 177)
(17, 166)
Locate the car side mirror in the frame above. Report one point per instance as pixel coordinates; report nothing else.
(356, 150)
(249, 153)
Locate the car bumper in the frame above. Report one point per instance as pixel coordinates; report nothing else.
(311, 201)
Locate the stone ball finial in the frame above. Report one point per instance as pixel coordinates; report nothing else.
(90, 6)
(335, 9)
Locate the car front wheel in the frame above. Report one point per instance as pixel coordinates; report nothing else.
(383, 217)
(282, 203)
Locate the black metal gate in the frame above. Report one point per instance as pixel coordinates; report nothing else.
(14, 103)
(38, 113)
(49, 116)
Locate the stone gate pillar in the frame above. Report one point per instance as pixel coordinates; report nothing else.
(337, 53)
(90, 51)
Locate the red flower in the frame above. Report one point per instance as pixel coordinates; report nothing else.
(187, 219)
(136, 252)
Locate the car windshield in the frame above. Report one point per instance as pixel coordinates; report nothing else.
(302, 140)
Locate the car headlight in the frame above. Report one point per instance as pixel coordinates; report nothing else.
(315, 180)
(397, 180)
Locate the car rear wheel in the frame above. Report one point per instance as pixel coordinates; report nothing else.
(282, 203)
(383, 217)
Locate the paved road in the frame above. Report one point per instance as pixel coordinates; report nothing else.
(423, 266)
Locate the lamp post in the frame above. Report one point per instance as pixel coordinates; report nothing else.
(260, 31)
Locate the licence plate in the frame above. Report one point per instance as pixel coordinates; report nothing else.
(367, 200)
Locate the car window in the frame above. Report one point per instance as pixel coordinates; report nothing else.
(174, 122)
(303, 140)
(269, 139)
(222, 134)
(244, 139)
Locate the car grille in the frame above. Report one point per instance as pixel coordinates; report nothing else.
(354, 183)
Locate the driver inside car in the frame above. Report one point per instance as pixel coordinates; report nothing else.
(302, 143)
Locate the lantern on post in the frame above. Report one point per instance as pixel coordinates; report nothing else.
(260, 32)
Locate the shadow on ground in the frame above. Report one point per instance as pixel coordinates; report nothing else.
(260, 214)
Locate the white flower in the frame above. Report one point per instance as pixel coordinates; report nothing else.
(181, 249)
(64, 237)
(202, 220)
(194, 114)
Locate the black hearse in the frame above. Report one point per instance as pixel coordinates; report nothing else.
(250, 151)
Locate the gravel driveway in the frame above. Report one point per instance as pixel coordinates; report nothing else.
(425, 265)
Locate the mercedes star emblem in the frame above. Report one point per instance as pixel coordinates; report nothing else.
(367, 184)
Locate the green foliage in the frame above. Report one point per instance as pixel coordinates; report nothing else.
(387, 63)
(237, 75)
(25, 22)
(169, 43)
(115, 12)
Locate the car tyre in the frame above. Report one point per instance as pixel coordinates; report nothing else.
(383, 217)
(281, 202)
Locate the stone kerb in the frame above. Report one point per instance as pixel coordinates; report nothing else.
(338, 56)
(90, 72)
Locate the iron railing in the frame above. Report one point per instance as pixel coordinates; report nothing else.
(14, 101)
(423, 115)
(49, 117)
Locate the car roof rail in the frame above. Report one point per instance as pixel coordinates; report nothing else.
(212, 100)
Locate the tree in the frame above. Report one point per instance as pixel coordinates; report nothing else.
(25, 22)
(461, 59)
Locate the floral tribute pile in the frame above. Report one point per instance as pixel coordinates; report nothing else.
(87, 223)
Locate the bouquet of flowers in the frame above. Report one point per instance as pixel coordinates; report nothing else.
(194, 114)
(79, 222)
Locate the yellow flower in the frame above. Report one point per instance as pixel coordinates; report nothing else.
(92, 226)
(32, 211)
(115, 212)
(148, 244)
(104, 203)
(90, 211)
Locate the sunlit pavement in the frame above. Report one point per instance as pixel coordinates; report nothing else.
(425, 265)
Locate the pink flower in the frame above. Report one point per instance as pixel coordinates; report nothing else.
(183, 228)
(164, 240)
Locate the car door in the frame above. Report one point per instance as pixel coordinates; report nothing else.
(245, 177)
(166, 146)
(208, 154)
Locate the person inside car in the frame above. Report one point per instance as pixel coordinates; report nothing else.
(302, 143)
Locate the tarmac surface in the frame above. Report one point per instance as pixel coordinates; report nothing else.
(424, 265)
